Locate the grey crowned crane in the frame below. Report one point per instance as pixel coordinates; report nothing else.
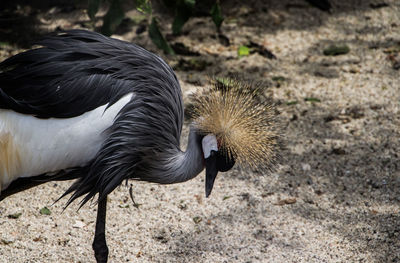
(99, 110)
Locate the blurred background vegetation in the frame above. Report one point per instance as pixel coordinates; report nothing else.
(113, 14)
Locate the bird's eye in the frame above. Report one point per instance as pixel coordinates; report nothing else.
(225, 161)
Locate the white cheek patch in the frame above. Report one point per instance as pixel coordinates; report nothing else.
(209, 143)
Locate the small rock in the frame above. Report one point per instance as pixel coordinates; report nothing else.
(355, 112)
(294, 117)
(354, 70)
(14, 216)
(309, 200)
(63, 242)
(199, 199)
(162, 237)
(182, 206)
(305, 167)
(329, 73)
(287, 201)
(197, 219)
(329, 118)
(318, 192)
(338, 151)
(223, 40)
(37, 239)
(310, 181)
(140, 29)
(181, 49)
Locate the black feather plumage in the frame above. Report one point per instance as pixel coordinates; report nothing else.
(77, 71)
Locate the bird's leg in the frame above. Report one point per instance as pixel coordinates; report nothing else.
(131, 195)
(99, 243)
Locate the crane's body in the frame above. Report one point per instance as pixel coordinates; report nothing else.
(87, 107)
(30, 146)
(87, 102)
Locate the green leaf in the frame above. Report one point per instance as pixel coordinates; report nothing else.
(180, 19)
(311, 99)
(158, 39)
(93, 7)
(243, 51)
(334, 50)
(143, 6)
(190, 3)
(278, 78)
(113, 18)
(45, 211)
(226, 82)
(4, 44)
(292, 102)
(183, 11)
(216, 14)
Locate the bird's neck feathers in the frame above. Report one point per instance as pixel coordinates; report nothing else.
(193, 160)
(177, 166)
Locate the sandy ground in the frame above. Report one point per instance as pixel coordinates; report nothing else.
(335, 197)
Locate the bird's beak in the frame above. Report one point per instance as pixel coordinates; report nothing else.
(211, 171)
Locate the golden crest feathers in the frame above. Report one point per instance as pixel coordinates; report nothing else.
(245, 127)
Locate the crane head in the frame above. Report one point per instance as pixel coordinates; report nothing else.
(238, 127)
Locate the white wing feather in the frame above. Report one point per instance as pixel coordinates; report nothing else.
(30, 146)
